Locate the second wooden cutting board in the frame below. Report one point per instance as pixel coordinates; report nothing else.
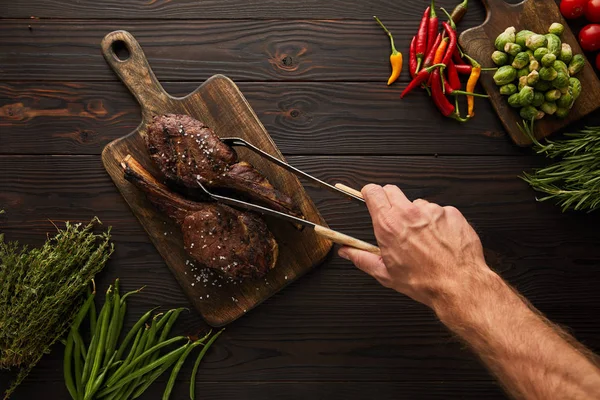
(535, 16)
(220, 105)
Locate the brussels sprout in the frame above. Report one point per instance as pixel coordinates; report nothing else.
(564, 90)
(566, 53)
(565, 101)
(499, 58)
(575, 85)
(576, 64)
(508, 36)
(562, 112)
(538, 99)
(533, 78)
(561, 81)
(522, 82)
(556, 29)
(522, 72)
(549, 107)
(534, 65)
(529, 53)
(548, 60)
(560, 66)
(543, 86)
(521, 60)
(513, 49)
(553, 95)
(536, 41)
(521, 37)
(548, 73)
(530, 112)
(540, 53)
(509, 89)
(554, 44)
(514, 100)
(505, 74)
(526, 95)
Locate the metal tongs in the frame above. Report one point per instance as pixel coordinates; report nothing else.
(330, 234)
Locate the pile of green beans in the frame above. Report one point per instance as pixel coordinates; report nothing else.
(108, 370)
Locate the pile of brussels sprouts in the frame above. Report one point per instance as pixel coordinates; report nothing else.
(537, 72)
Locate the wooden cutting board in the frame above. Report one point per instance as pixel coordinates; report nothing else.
(218, 103)
(535, 16)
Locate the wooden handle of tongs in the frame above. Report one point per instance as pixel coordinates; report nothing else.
(340, 238)
(348, 189)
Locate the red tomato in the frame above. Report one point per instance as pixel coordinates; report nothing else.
(572, 8)
(589, 37)
(592, 11)
(598, 61)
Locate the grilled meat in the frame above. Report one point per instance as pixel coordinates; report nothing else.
(237, 243)
(188, 152)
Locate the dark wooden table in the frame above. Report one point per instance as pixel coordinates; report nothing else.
(315, 73)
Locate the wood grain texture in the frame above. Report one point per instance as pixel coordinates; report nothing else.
(536, 16)
(215, 9)
(335, 324)
(244, 50)
(219, 104)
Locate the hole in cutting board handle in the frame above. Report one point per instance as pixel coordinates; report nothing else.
(120, 50)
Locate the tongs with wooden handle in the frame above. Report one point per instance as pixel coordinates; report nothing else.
(328, 233)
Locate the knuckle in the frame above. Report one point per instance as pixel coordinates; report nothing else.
(388, 223)
(412, 212)
(452, 211)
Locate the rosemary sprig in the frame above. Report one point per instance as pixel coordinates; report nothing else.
(573, 181)
(41, 291)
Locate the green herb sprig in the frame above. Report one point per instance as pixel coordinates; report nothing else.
(573, 181)
(40, 291)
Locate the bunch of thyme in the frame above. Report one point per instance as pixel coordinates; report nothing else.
(573, 181)
(41, 290)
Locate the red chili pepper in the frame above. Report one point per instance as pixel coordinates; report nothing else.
(452, 35)
(412, 61)
(431, 54)
(421, 77)
(453, 78)
(440, 100)
(463, 69)
(457, 57)
(432, 29)
(421, 45)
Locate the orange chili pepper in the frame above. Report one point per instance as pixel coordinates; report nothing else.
(441, 50)
(471, 83)
(395, 57)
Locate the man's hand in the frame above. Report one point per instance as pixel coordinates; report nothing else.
(428, 252)
(432, 254)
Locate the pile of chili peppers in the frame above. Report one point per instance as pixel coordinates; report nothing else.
(436, 61)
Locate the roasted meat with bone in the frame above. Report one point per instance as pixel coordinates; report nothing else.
(188, 152)
(239, 244)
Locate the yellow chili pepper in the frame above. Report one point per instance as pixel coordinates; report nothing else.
(471, 83)
(395, 57)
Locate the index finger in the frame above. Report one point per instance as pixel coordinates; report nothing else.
(376, 199)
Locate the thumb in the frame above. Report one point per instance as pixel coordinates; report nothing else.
(367, 262)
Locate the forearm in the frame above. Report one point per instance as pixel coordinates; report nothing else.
(530, 356)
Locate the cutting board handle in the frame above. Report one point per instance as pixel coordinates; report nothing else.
(134, 71)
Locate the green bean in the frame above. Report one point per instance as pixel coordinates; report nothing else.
(173, 355)
(126, 295)
(92, 312)
(151, 350)
(80, 344)
(168, 322)
(135, 352)
(177, 367)
(151, 378)
(67, 368)
(99, 380)
(114, 330)
(132, 332)
(77, 363)
(103, 326)
(87, 366)
(197, 364)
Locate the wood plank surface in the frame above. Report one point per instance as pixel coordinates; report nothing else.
(335, 323)
(536, 16)
(232, 9)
